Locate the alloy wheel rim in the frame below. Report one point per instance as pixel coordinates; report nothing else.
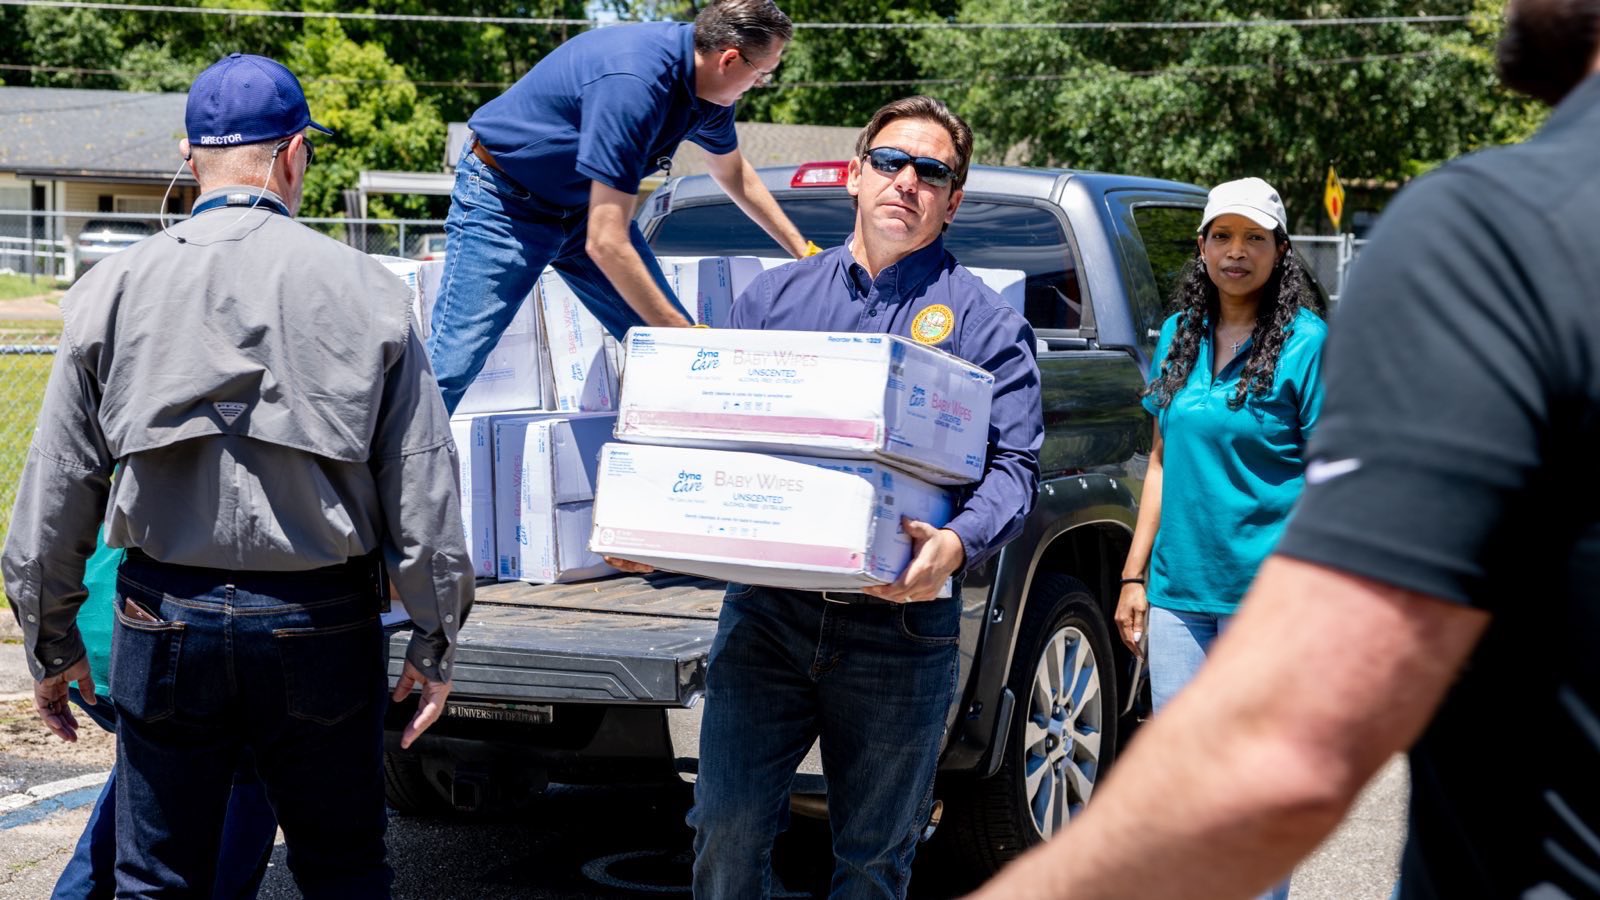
(1062, 735)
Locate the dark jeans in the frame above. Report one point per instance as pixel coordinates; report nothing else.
(287, 667)
(501, 237)
(874, 681)
(247, 833)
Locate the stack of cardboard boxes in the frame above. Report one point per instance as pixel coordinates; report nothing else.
(530, 427)
(786, 458)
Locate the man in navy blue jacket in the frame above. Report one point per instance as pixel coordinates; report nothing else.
(872, 674)
(552, 174)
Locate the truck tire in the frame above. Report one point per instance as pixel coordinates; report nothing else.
(1063, 733)
(407, 788)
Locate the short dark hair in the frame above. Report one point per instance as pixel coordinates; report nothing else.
(1549, 46)
(740, 24)
(932, 110)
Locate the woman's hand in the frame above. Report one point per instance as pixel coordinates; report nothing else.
(1133, 611)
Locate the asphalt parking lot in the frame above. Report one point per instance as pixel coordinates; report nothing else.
(574, 842)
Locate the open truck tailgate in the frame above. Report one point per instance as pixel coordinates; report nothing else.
(630, 640)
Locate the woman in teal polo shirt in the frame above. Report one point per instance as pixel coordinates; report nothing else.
(1235, 390)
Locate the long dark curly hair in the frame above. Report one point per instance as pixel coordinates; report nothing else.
(1287, 291)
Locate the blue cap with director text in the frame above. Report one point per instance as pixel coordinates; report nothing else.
(244, 99)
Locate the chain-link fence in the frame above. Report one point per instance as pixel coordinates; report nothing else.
(1329, 256)
(62, 245)
(26, 354)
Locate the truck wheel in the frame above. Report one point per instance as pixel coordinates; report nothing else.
(407, 788)
(1063, 733)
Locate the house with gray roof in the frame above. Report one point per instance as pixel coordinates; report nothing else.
(84, 152)
(89, 151)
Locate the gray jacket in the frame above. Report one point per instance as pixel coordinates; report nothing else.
(261, 393)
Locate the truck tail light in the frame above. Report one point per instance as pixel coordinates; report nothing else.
(820, 174)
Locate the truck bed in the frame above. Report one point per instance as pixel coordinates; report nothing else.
(623, 640)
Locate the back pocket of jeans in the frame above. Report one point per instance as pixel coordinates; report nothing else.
(144, 660)
(331, 673)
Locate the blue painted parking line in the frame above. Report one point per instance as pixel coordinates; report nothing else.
(46, 799)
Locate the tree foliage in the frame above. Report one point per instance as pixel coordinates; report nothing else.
(1282, 102)
(1377, 101)
(386, 88)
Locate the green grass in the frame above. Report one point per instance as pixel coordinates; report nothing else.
(13, 287)
(22, 381)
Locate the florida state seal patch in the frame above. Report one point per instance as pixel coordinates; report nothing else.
(933, 324)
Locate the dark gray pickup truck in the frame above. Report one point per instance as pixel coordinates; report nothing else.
(602, 680)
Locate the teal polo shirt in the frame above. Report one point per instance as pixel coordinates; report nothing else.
(1229, 476)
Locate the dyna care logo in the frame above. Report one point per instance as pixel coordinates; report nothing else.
(705, 360)
(687, 483)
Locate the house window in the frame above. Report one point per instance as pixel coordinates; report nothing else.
(124, 204)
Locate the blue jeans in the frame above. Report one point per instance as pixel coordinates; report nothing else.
(500, 238)
(1179, 643)
(247, 833)
(874, 681)
(287, 667)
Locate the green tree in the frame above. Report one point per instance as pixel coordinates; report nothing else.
(828, 55)
(380, 119)
(1281, 102)
(71, 38)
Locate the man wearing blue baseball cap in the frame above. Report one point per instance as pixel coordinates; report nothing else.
(552, 175)
(280, 449)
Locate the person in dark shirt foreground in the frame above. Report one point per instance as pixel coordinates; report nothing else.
(1439, 585)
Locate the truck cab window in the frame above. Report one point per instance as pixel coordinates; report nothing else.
(1002, 237)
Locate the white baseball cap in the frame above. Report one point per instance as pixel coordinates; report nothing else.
(1249, 197)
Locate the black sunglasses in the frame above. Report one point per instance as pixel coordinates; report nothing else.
(890, 160)
(311, 149)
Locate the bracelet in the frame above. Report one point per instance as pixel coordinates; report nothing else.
(1139, 580)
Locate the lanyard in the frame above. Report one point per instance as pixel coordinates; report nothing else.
(240, 199)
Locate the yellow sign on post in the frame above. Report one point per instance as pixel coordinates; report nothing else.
(1333, 198)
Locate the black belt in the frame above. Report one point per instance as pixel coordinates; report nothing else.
(358, 566)
(851, 599)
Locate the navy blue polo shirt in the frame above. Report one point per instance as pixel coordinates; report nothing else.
(610, 105)
(928, 298)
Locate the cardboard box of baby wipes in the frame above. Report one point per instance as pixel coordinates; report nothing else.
(707, 286)
(784, 521)
(544, 496)
(583, 378)
(845, 395)
(474, 437)
(516, 373)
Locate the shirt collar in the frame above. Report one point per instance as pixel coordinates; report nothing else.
(251, 189)
(900, 279)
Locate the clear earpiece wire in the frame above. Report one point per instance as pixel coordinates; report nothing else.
(161, 216)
